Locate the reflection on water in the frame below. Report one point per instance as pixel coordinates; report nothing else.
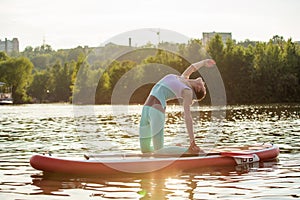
(67, 131)
(192, 184)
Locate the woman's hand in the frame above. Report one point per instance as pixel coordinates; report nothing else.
(195, 66)
(209, 62)
(194, 148)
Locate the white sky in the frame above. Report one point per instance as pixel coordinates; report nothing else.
(70, 23)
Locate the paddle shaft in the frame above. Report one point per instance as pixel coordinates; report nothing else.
(147, 155)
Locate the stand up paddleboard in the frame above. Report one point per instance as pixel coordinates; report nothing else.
(107, 164)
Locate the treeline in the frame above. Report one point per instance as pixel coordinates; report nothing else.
(268, 72)
(252, 72)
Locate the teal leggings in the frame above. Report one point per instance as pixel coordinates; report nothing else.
(151, 129)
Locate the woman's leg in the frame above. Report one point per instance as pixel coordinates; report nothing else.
(145, 131)
(157, 123)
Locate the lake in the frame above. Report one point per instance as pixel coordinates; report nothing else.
(67, 130)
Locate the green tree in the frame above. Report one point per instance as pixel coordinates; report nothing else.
(3, 56)
(39, 88)
(118, 69)
(17, 72)
(215, 49)
(288, 87)
(41, 62)
(85, 84)
(236, 72)
(103, 92)
(267, 64)
(60, 81)
(193, 51)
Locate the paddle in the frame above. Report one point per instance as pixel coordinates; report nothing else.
(148, 155)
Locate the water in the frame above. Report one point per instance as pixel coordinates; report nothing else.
(67, 131)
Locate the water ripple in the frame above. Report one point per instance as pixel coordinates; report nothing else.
(64, 130)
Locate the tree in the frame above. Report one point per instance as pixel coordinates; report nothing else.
(103, 91)
(60, 81)
(84, 83)
(3, 56)
(215, 48)
(17, 72)
(289, 78)
(193, 51)
(39, 88)
(41, 62)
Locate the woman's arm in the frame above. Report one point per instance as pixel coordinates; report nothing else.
(194, 67)
(187, 102)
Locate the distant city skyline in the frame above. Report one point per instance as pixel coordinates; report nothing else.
(68, 24)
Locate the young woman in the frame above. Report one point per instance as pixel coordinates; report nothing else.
(171, 87)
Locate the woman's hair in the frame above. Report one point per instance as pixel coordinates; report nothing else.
(198, 96)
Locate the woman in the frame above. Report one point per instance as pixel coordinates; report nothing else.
(171, 87)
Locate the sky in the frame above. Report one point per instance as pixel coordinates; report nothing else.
(69, 23)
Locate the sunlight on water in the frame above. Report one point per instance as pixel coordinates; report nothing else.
(65, 130)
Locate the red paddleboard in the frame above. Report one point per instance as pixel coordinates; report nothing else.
(107, 164)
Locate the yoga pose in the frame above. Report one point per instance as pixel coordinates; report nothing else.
(171, 87)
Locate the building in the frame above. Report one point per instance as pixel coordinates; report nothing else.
(9, 46)
(208, 35)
